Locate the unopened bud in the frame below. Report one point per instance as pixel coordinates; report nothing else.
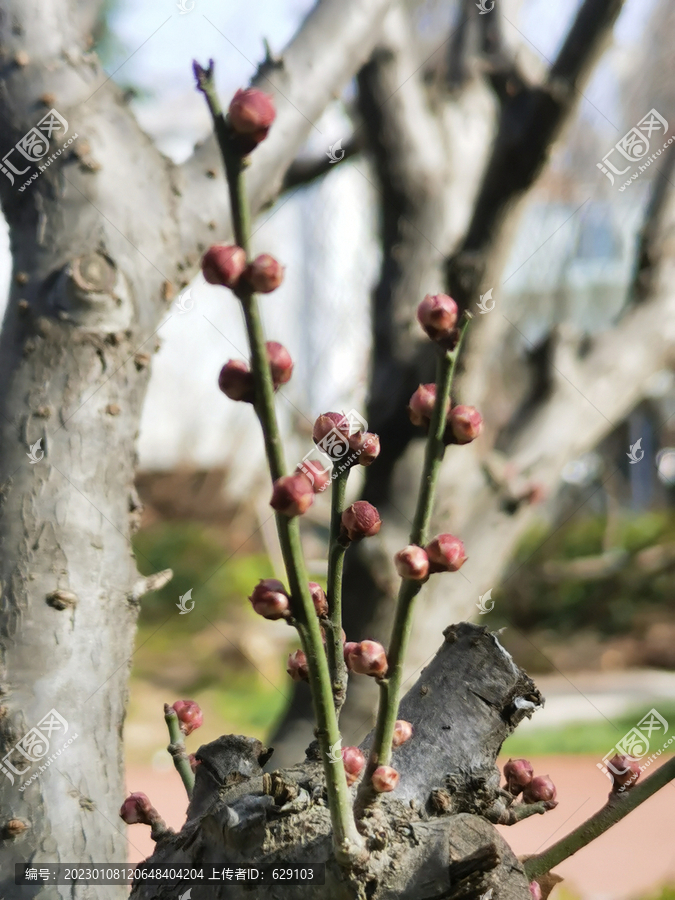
(292, 495)
(348, 648)
(625, 771)
(422, 403)
(535, 890)
(368, 658)
(297, 666)
(367, 445)
(518, 774)
(354, 761)
(223, 264)
(236, 381)
(360, 520)
(318, 598)
(318, 477)
(327, 422)
(446, 553)
(194, 762)
(280, 362)
(189, 715)
(437, 314)
(403, 731)
(465, 423)
(264, 274)
(250, 115)
(412, 562)
(384, 779)
(138, 810)
(540, 788)
(270, 600)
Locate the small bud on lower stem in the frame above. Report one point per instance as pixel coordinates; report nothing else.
(223, 264)
(465, 423)
(354, 761)
(297, 666)
(422, 403)
(403, 731)
(625, 771)
(138, 810)
(270, 600)
(368, 658)
(412, 562)
(384, 779)
(280, 361)
(292, 495)
(318, 598)
(360, 520)
(366, 445)
(446, 553)
(264, 274)
(236, 381)
(518, 774)
(540, 788)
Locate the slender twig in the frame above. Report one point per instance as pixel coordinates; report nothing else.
(390, 687)
(348, 843)
(618, 806)
(336, 557)
(177, 749)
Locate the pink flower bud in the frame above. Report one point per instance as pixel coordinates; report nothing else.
(297, 666)
(327, 422)
(422, 403)
(367, 445)
(354, 761)
(349, 647)
(625, 771)
(446, 553)
(360, 520)
(437, 314)
(318, 598)
(270, 600)
(236, 381)
(194, 762)
(264, 274)
(403, 731)
(540, 788)
(535, 890)
(292, 495)
(280, 361)
(518, 774)
(137, 810)
(189, 715)
(223, 264)
(368, 658)
(465, 423)
(251, 113)
(384, 779)
(412, 562)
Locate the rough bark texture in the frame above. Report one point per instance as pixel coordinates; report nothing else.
(430, 838)
(100, 242)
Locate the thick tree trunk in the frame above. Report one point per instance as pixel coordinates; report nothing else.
(432, 837)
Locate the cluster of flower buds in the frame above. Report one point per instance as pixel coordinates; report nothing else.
(384, 779)
(236, 379)
(332, 434)
(520, 778)
(366, 658)
(270, 599)
(354, 761)
(625, 772)
(250, 115)
(225, 264)
(445, 553)
(138, 810)
(359, 520)
(189, 715)
(463, 424)
(437, 314)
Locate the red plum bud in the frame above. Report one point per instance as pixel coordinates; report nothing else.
(465, 423)
(189, 715)
(446, 553)
(292, 495)
(540, 788)
(223, 264)
(280, 362)
(384, 779)
(297, 666)
(318, 598)
(138, 810)
(403, 731)
(368, 658)
(412, 562)
(360, 520)
(437, 314)
(354, 761)
(264, 274)
(270, 600)
(236, 381)
(518, 774)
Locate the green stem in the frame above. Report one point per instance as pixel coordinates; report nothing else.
(336, 558)
(617, 807)
(390, 686)
(177, 749)
(347, 841)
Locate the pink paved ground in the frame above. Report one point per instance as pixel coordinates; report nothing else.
(633, 858)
